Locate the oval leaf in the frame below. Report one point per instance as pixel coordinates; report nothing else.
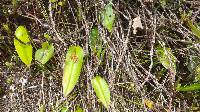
(22, 45)
(102, 90)
(166, 57)
(108, 17)
(72, 68)
(45, 53)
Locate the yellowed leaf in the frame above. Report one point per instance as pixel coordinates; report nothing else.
(148, 103)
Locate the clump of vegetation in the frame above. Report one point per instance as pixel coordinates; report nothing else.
(89, 55)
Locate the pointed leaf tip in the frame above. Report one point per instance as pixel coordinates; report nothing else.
(72, 68)
(102, 90)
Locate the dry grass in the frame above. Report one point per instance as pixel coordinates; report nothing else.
(129, 65)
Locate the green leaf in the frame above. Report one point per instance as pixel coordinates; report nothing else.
(194, 28)
(108, 17)
(96, 44)
(163, 2)
(45, 53)
(22, 45)
(166, 57)
(102, 90)
(72, 68)
(94, 38)
(79, 109)
(64, 109)
(47, 36)
(6, 28)
(192, 87)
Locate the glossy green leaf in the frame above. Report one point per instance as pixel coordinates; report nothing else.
(166, 57)
(72, 68)
(192, 87)
(108, 17)
(102, 90)
(45, 53)
(22, 45)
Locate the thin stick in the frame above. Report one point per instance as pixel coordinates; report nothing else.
(53, 23)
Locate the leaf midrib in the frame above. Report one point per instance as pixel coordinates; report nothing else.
(99, 83)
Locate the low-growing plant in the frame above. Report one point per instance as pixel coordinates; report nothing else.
(72, 68)
(166, 58)
(96, 43)
(107, 17)
(22, 45)
(45, 53)
(73, 63)
(102, 90)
